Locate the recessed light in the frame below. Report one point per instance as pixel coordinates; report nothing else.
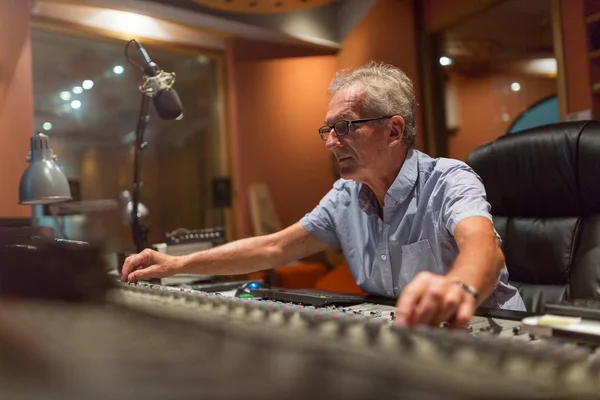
(87, 84)
(445, 61)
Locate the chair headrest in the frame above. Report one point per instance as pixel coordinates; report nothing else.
(547, 171)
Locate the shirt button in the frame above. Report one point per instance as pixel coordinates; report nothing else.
(383, 257)
(389, 293)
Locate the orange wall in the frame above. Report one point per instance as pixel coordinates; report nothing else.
(487, 107)
(386, 34)
(277, 107)
(16, 104)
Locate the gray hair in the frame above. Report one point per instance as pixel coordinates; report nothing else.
(389, 91)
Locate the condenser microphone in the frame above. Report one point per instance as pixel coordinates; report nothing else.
(158, 84)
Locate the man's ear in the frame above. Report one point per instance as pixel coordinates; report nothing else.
(396, 131)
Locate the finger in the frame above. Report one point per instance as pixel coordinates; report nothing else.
(450, 303)
(429, 307)
(465, 312)
(127, 268)
(409, 298)
(134, 262)
(129, 265)
(153, 271)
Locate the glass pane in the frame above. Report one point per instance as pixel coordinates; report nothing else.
(87, 100)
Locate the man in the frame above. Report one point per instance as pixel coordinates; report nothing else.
(409, 225)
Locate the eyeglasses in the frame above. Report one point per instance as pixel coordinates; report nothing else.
(342, 127)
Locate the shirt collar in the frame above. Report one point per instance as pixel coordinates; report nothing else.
(400, 189)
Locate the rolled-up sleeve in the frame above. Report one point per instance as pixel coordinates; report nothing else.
(461, 194)
(320, 222)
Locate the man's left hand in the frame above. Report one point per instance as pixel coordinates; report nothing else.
(431, 299)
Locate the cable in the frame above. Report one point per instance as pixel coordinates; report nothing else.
(129, 59)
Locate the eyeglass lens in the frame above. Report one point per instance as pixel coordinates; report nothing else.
(341, 128)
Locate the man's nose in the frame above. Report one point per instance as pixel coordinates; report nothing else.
(333, 141)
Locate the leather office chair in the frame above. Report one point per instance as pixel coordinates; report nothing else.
(544, 188)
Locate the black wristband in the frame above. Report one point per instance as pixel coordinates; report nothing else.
(467, 288)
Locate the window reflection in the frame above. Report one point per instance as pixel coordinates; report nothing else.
(87, 100)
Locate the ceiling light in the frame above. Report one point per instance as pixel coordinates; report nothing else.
(118, 69)
(77, 90)
(445, 61)
(75, 104)
(544, 66)
(66, 96)
(87, 84)
(47, 126)
(515, 86)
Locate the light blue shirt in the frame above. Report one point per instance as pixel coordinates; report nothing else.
(428, 198)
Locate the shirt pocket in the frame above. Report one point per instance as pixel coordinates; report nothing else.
(416, 257)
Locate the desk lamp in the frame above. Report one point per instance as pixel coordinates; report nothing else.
(43, 182)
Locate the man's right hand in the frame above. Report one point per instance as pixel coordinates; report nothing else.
(149, 264)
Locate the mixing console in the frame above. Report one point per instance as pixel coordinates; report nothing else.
(491, 358)
(376, 313)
